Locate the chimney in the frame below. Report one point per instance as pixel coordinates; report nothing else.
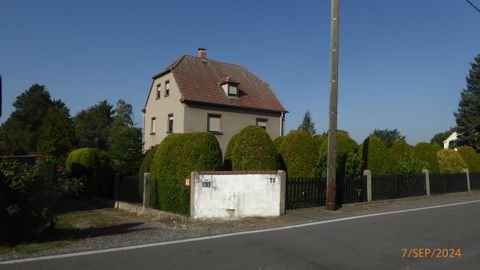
(202, 53)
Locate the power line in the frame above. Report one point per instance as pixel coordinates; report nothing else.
(471, 4)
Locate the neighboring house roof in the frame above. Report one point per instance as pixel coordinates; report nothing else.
(449, 139)
(199, 81)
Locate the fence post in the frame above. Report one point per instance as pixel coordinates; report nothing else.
(283, 183)
(193, 178)
(116, 189)
(146, 190)
(427, 181)
(468, 179)
(368, 174)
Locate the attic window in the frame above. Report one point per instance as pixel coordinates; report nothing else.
(167, 88)
(230, 86)
(158, 91)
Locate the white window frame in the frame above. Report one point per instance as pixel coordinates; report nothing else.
(167, 88)
(262, 120)
(214, 116)
(170, 120)
(158, 91)
(153, 125)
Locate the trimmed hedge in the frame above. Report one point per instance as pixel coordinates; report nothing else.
(227, 161)
(278, 142)
(375, 156)
(471, 158)
(401, 158)
(96, 167)
(175, 158)
(345, 145)
(145, 167)
(254, 150)
(319, 139)
(426, 154)
(450, 161)
(299, 153)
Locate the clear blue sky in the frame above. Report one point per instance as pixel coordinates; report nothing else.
(402, 63)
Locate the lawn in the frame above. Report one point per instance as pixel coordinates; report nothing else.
(76, 220)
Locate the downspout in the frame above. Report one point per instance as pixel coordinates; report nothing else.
(282, 123)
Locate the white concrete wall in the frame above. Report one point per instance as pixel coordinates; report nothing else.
(230, 195)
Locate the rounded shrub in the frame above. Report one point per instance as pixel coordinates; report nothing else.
(426, 155)
(345, 145)
(450, 161)
(82, 161)
(299, 153)
(319, 139)
(375, 156)
(175, 158)
(254, 150)
(400, 151)
(278, 142)
(471, 158)
(145, 167)
(227, 160)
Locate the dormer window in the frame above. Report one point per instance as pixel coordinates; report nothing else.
(230, 87)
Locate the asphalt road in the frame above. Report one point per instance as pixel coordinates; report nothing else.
(367, 242)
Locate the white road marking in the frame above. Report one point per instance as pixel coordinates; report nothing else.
(94, 252)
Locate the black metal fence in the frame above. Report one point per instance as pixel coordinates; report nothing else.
(446, 183)
(475, 181)
(397, 186)
(311, 192)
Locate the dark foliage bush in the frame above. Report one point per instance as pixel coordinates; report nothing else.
(278, 142)
(426, 154)
(375, 156)
(400, 152)
(299, 153)
(175, 158)
(345, 145)
(471, 158)
(254, 150)
(28, 194)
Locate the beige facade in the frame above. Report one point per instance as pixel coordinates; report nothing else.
(159, 109)
(194, 118)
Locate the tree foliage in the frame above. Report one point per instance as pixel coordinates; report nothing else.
(57, 134)
(123, 115)
(468, 113)
(93, 126)
(471, 158)
(307, 124)
(388, 136)
(126, 149)
(21, 130)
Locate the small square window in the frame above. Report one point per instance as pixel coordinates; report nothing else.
(158, 91)
(167, 88)
(170, 123)
(214, 121)
(262, 123)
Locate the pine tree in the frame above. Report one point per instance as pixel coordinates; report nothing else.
(468, 113)
(307, 125)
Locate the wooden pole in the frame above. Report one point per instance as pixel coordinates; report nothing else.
(332, 131)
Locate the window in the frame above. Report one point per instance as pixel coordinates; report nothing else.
(158, 91)
(262, 123)
(232, 90)
(213, 124)
(170, 123)
(152, 126)
(167, 88)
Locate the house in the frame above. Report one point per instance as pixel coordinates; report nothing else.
(197, 94)
(449, 139)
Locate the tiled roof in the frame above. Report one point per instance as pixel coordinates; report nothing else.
(200, 80)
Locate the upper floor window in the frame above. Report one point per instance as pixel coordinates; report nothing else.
(152, 126)
(262, 123)
(213, 124)
(233, 90)
(167, 88)
(170, 123)
(158, 91)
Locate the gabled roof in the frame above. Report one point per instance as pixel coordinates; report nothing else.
(199, 81)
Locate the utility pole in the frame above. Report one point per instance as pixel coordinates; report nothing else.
(332, 128)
